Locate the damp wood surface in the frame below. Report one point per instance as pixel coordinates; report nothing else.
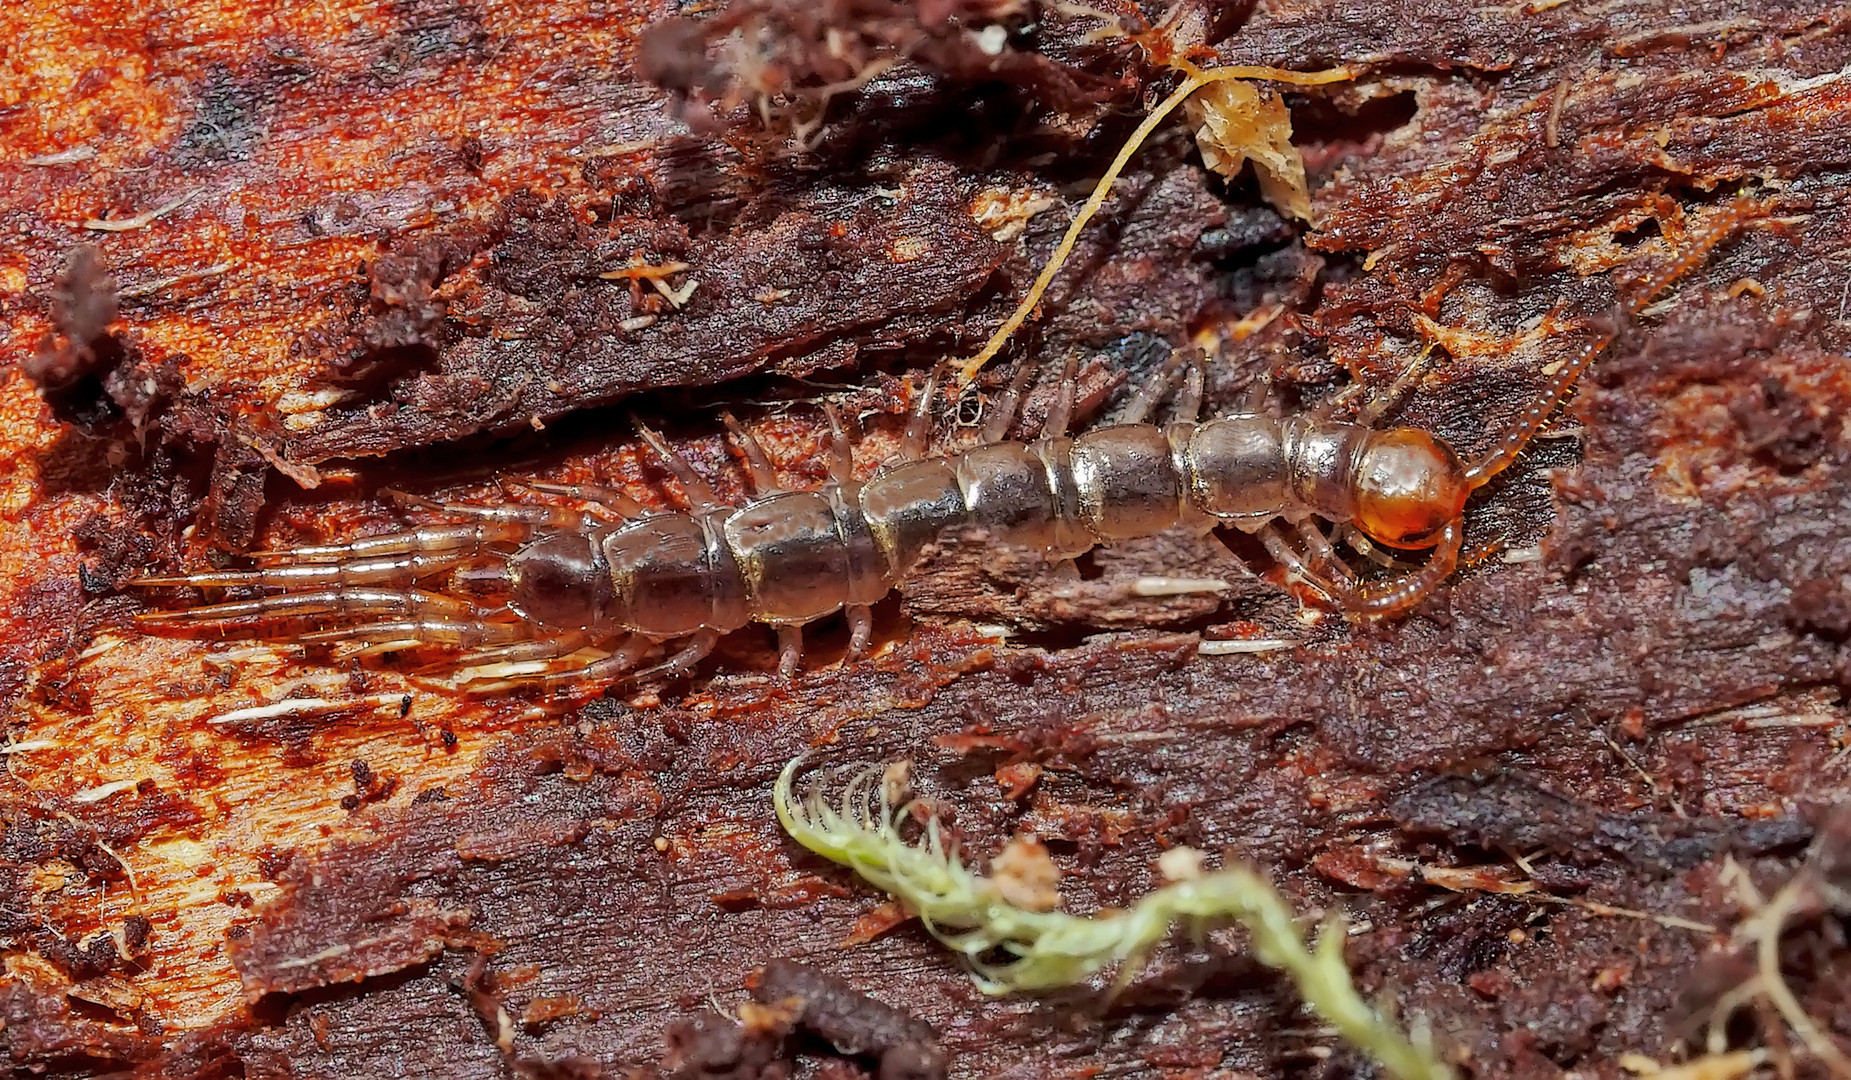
(358, 246)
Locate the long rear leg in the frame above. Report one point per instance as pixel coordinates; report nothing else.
(414, 633)
(429, 540)
(533, 518)
(389, 569)
(486, 526)
(347, 604)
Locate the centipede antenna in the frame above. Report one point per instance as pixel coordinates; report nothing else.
(1562, 383)
(1197, 79)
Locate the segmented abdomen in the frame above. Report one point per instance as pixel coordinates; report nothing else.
(794, 557)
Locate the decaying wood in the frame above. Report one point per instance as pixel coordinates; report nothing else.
(352, 246)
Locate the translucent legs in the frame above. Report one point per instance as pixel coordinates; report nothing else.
(1317, 564)
(443, 588)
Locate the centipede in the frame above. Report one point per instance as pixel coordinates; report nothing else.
(540, 594)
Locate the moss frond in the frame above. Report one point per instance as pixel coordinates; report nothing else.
(1045, 950)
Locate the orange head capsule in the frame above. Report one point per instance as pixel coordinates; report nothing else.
(1408, 485)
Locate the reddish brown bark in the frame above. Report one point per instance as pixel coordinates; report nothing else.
(378, 262)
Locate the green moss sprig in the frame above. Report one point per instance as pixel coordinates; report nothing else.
(1046, 950)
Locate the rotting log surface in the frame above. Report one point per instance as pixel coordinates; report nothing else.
(382, 233)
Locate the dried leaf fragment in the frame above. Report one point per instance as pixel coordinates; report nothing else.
(1025, 876)
(1236, 122)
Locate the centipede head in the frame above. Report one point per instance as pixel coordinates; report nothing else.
(1408, 487)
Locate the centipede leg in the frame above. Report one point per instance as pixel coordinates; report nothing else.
(860, 628)
(390, 569)
(1363, 546)
(1324, 559)
(1399, 594)
(1189, 399)
(841, 457)
(1060, 415)
(1153, 390)
(919, 422)
(1294, 565)
(790, 650)
(610, 499)
(519, 652)
(758, 463)
(1397, 391)
(1003, 409)
(691, 654)
(699, 493)
(1259, 393)
(608, 669)
(406, 633)
(1374, 598)
(346, 603)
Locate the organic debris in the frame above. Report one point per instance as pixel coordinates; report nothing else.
(788, 59)
(1237, 122)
